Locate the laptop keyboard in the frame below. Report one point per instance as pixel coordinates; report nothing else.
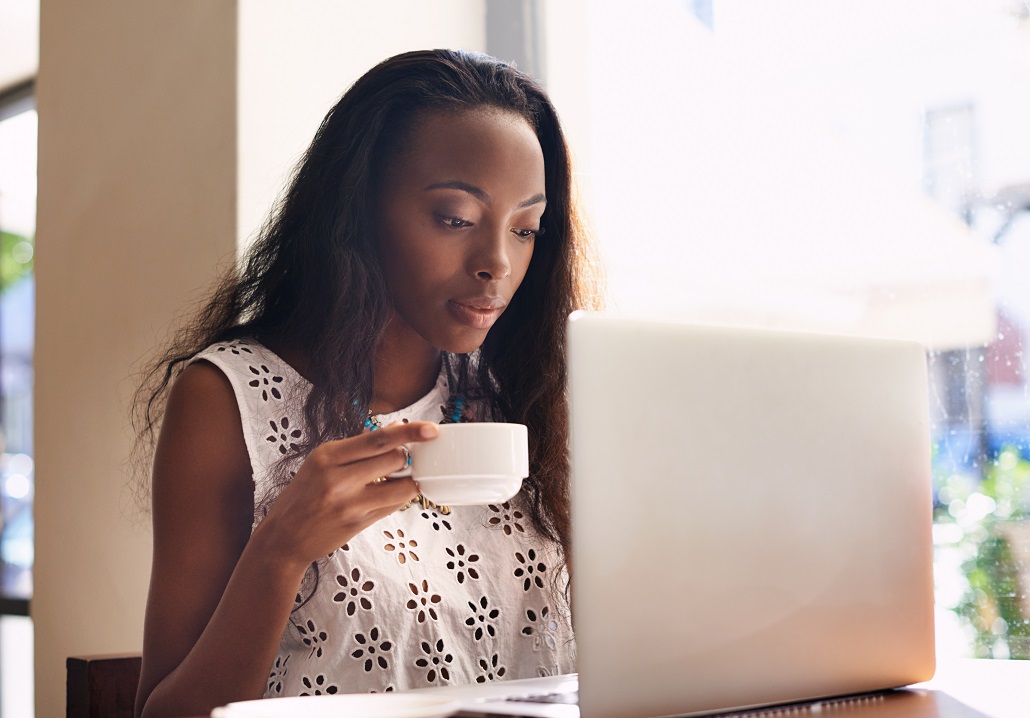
(565, 697)
(843, 705)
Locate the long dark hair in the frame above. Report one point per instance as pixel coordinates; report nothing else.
(312, 278)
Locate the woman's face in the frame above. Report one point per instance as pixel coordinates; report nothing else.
(459, 213)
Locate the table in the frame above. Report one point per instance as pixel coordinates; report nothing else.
(999, 689)
(961, 688)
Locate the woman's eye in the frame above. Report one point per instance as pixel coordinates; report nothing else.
(528, 233)
(453, 222)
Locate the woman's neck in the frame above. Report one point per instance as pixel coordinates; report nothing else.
(406, 368)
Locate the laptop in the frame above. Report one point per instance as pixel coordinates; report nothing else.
(751, 523)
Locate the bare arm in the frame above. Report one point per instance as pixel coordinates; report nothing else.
(219, 597)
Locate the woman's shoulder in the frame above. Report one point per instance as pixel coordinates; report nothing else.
(253, 363)
(202, 420)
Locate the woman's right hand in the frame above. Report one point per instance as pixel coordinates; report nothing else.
(338, 492)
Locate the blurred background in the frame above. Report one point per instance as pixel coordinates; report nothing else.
(859, 168)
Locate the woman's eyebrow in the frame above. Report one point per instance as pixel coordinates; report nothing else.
(476, 192)
(535, 199)
(481, 194)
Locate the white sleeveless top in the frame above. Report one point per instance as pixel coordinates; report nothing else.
(427, 596)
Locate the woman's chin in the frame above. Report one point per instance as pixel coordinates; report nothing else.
(465, 343)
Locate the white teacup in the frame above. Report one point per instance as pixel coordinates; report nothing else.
(474, 463)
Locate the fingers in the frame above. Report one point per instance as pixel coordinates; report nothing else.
(378, 442)
(393, 493)
(379, 465)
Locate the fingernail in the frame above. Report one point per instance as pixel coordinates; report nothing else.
(428, 431)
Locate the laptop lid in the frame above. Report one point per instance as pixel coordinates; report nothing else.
(751, 516)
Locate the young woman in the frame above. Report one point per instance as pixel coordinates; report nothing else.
(419, 270)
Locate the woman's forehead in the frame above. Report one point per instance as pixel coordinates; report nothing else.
(481, 146)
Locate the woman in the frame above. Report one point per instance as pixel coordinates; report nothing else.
(419, 269)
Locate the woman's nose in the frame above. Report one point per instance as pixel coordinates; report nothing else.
(490, 262)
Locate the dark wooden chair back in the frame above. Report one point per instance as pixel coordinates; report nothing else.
(102, 686)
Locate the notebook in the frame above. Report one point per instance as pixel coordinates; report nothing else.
(751, 520)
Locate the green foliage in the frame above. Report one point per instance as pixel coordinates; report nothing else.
(15, 258)
(990, 515)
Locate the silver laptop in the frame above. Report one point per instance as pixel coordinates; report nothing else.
(751, 513)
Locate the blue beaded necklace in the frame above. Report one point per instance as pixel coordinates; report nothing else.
(453, 413)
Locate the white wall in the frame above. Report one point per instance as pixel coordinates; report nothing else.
(166, 129)
(19, 41)
(296, 59)
(137, 168)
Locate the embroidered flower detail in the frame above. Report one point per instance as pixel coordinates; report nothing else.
(372, 650)
(424, 602)
(235, 348)
(531, 569)
(541, 628)
(279, 670)
(436, 520)
(436, 660)
(491, 669)
(462, 564)
(402, 546)
(507, 518)
(351, 590)
(312, 637)
(317, 687)
(388, 689)
(265, 380)
(481, 618)
(283, 435)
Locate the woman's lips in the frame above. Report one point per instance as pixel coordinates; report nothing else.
(478, 314)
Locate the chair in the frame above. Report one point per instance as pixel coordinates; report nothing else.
(102, 686)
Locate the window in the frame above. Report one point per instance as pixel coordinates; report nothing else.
(17, 295)
(845, 167)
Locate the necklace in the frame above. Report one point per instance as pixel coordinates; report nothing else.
(453, 413)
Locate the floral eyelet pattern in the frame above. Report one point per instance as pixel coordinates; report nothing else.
(433, 595)
(237, 348)
(462, 563)
(530, 569)
(437, 660)
(278, 674)
(312, 637)
(318, 686)
(372, 650)
(436, 520)
(424, 602)
(354, 593)
(491, 669)
(267, 382)
(482, 618)
(283, 436)
(508, 519)
(541, 628)
(403, 545)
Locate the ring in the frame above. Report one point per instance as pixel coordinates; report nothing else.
(407, 456)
